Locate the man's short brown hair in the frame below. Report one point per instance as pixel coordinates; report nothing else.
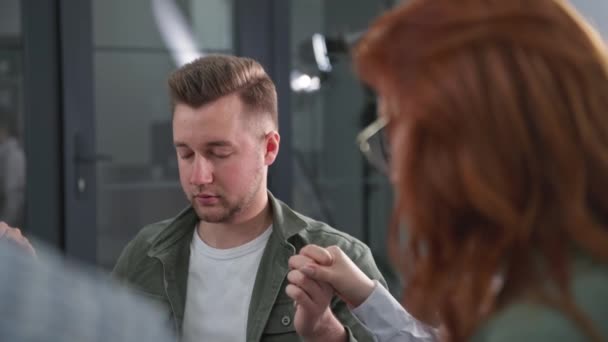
(209, 78)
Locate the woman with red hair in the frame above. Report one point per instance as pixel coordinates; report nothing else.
(496, 117)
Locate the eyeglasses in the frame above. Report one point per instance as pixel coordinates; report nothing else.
(374, 145)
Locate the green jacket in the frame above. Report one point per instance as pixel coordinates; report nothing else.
(156, 263)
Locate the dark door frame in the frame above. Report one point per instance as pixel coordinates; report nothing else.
(78, 130)
(262, 31)
(42, 121)
(59, 125)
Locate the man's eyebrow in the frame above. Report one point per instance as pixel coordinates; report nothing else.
(218, 143)
(215, 143)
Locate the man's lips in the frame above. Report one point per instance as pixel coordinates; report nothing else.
(206, 195)
(207, 199)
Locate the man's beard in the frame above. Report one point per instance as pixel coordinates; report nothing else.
(226, 212)
(221, 213)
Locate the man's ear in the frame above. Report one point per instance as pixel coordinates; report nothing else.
(273, 140)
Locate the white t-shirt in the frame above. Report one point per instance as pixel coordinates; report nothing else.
(220, 282)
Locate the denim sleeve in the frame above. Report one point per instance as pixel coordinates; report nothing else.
(53, 300)
(388, 321)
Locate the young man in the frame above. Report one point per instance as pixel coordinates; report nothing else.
(220, 266)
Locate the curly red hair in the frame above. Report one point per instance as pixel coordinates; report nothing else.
(504, 166)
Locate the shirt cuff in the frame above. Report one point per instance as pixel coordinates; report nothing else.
(383, 315)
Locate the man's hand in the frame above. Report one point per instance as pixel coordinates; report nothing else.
(332, 266)
(314, 320)
(14, 235)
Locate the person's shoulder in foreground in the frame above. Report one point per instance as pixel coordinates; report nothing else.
(50, 299)
(528, 321)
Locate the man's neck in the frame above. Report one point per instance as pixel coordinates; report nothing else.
(230, 235)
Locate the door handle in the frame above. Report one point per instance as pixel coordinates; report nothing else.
(82, 158)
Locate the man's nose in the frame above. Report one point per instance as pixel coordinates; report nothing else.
(202, 171)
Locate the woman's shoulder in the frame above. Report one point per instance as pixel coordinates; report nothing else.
(529, 321)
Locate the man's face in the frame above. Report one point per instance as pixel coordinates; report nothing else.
(222, 157)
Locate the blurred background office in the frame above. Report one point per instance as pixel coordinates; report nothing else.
(86, 156)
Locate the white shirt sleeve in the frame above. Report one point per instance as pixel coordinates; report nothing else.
(388, 321)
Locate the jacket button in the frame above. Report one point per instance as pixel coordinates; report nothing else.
(285, 320)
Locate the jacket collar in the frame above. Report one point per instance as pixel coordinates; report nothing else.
(180, 228)
(286, 223)
(172, 248)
